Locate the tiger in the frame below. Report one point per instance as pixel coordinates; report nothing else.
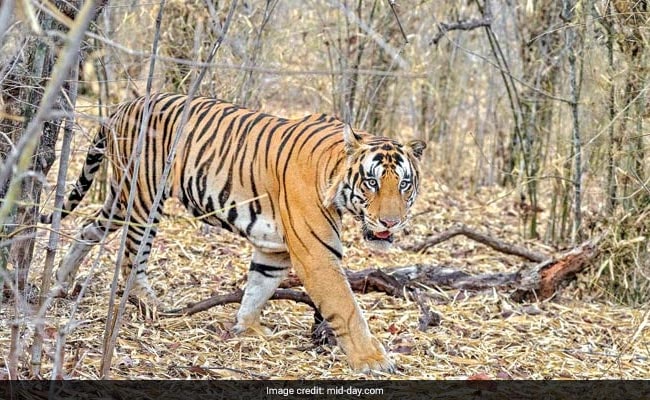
(282, 183)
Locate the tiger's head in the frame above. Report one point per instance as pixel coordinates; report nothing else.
(379, 184)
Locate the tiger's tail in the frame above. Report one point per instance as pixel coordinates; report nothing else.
(91, 166)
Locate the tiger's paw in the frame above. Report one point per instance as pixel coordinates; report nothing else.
(255, 328)
(145, 299)
(375, 360)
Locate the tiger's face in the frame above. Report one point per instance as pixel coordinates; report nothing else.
(380, 184)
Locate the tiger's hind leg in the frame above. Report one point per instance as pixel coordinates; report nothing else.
(134, 263)
(93, 231)
(267, 271)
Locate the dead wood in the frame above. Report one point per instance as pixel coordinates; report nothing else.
(464, 25)
(496, 244)
(538, 282)
(445, 277)
(375, 280)
(236, 297)
(544, 279)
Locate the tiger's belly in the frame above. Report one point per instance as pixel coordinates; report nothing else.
(265, 235)
(261, 230)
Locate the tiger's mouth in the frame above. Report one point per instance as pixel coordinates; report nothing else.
(381, 236)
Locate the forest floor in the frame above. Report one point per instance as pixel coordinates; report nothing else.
(481, 334)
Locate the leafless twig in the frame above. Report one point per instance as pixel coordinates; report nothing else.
(113, 322)
(401, 29)
(236, 297)
(465, 25)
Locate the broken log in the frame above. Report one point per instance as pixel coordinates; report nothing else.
(544, 279)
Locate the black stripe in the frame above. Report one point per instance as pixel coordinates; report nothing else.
(332, 250)
(265, 269)
(267, 150)
(313, 133)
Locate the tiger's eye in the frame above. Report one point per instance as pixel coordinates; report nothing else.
(403, 185)
(371, 183)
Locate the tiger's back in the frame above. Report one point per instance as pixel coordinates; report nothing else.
(281, 183)
(230, 164)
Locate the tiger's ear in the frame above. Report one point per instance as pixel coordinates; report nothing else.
(417, 147)
(352, 140)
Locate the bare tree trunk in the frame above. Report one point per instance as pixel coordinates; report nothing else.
(612, 138)
(572, 41)
(373, 107)
(633, 19)
(53, 241)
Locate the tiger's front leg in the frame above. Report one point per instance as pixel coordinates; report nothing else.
(267, 271)
(328, 287)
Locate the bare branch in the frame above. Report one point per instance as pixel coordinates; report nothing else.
(466, 25)
(236, 297)
(487, 240)
(401, 29)
(113, 321)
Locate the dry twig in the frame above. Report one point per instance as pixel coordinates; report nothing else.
(235, 297)
(496, 244)
(465, 25)
(401, 28)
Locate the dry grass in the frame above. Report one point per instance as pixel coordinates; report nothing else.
(623, 271)
(480, 333)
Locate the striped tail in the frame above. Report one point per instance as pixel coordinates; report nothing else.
(91, 165)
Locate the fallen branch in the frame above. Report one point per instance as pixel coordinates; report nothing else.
(445, 277)
(375, 280)
(543, 279)
(496, 244)
(236, 297)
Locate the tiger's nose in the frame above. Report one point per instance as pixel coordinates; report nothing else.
(389, 222)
